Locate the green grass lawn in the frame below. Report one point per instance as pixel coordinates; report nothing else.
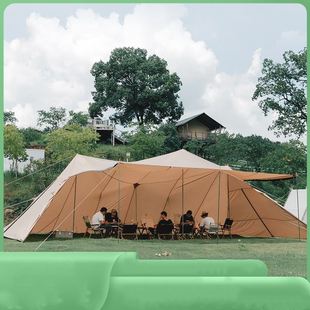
(283, 257)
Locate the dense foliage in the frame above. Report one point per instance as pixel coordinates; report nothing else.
(9, 117)
(70, 140)
(52, 119)
(281, 90)
(137, 86)
(14, 146)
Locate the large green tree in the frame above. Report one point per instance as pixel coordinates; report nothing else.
(14, 146)
(137, 86)
(282, 90)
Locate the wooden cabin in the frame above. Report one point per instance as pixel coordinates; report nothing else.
(197, 127)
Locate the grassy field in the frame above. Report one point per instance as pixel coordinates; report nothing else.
(283, 257)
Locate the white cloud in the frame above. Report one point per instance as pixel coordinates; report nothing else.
(228, 99)
(25, 114)
(51, 66)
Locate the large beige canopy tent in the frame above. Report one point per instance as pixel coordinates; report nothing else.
(141, 191)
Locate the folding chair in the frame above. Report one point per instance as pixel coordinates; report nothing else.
(91, 229)
(226, 227)
(202, 233)
(165, 231)
(129, 230)
(186, 231)
(213, 231)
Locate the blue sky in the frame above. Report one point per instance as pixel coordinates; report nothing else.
(217, 49)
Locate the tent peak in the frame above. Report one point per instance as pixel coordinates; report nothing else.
(182, 159)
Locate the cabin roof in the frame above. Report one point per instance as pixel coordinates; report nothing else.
(202, 118)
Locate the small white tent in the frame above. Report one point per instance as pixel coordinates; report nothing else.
(296, 204)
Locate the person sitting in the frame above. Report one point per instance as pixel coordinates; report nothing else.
(206, 221)
(98, 218)
(165, 225)
(113, 221)
(187, 223)
(112, 217)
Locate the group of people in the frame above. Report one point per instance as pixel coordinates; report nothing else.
(187, 221)
(110, 220)
(106, 220)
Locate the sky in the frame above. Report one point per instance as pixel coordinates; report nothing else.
(216, 49)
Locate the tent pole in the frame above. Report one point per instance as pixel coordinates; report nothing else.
(182, 223)
(218, 203)
(205, 196)
(228, 201)
(74, 204)
(136, 199)
(63, 205)
(118, 209)
(297, 198)
(246, 197)
(104, 187)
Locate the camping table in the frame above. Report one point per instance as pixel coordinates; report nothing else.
(115, 229)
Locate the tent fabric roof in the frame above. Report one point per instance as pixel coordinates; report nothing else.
(259, 176)
(291, 204)
(88, 183)
(181, 158)
(185, 159)
(79, 164)
(204, 119)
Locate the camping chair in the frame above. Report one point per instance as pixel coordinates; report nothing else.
(213, 231)
(165, 231)
(91, 229)
(186, 231)
(226, 227)
(129, 230)
(202, 232)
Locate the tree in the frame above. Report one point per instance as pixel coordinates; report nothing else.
(172, 140)
(14, 146)
(137, 87)
(70, 140)
(78, 118)
(32, 136)
(9, 117)
(282, 90)
(52, 119)
(288, 157)
(146, 143)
